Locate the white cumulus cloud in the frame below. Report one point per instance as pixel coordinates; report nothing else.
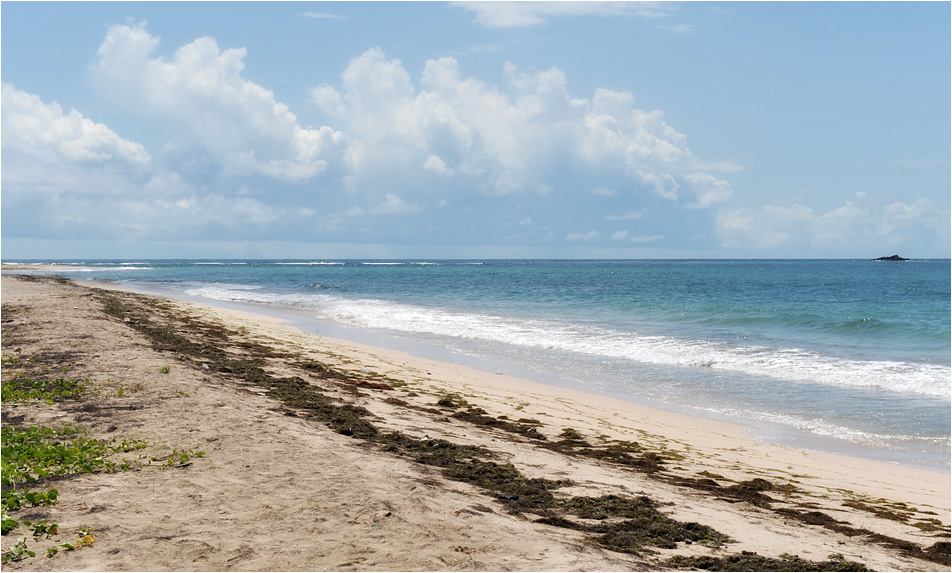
(201, 91)
(501, 140)
(708, 189)
(41, 129)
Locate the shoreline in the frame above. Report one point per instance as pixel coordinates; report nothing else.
(775, 433)
(741, 431)
(802, 482)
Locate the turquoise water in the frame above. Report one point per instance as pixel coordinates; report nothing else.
(835, 354)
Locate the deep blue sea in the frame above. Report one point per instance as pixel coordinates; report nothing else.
(850, 356)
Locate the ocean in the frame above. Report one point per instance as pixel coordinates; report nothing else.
(846, 356)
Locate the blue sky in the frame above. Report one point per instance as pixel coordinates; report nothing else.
(475, 130)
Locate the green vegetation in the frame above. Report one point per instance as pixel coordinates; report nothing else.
(34, 454)
(85, 540)
(42, 529)
(18, 552)
(13, 500)
(176, 458)
(9, 524)
(22, 389)
(37, 453)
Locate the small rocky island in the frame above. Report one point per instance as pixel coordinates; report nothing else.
(892, 258)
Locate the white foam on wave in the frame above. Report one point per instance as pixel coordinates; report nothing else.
(102, 269)
(401, 263)
(311, 263)
(789, 364)
(28, 264)
(826, 428)
(226, 292)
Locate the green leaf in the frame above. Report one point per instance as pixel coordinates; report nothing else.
(8, 524)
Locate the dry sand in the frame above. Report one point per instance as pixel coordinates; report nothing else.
(278, 489)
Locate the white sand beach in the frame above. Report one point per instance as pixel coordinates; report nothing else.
(279, 489)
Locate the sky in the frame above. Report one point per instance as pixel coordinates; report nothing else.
(475, 130)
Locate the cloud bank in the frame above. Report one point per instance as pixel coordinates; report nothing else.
(860, 224)
(440, 159)
(521, 138)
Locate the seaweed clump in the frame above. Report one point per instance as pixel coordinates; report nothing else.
(747, 491)
(479, 417)
(937, 553)
(751, 561)
(624, 453)
(940, 552)
(629, 525)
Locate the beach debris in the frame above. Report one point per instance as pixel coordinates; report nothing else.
(425, 438)
(381, 515)
(205, 366)
(373, 385)
(447, 402)
(473, 510)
